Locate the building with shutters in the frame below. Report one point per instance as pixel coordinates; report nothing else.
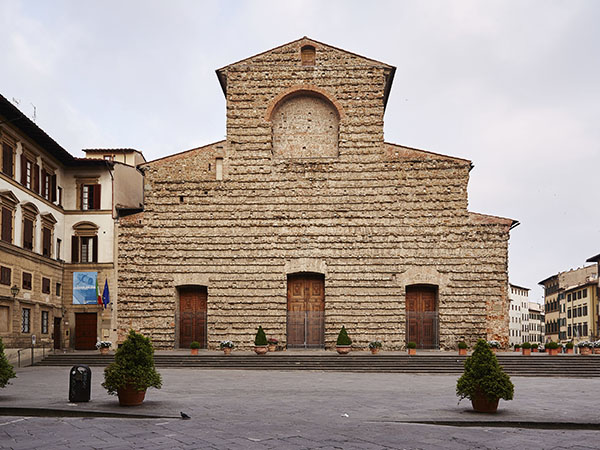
(57, 242)
(304, 219)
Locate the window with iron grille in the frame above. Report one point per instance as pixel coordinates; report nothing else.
(44, 322)
(25, 322)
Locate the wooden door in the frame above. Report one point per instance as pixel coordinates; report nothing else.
(56, 333)
(192, 316)
(421, 316)
(85, 331)
(306, 310)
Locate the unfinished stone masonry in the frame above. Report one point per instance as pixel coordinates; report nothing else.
(308, 186)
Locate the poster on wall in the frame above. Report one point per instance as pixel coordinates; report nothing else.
(85, 288)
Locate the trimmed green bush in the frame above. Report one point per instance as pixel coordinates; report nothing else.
(517, 346)
(261, 338)
(134, 365)
(343, 338)
(484, 374)
(195, 345)
(463, 345)
(569, 344)
(6, 368)
(526, 345)
(411, 345)
(552, 345)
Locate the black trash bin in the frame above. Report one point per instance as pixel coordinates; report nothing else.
(80, 383)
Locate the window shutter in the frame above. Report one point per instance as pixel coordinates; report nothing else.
(74, 249)
(96, 196)
(43, 187)
(95, 249)
(6, 225)
(36, 178)
(23, 170)
(28, 234)
(7, 159)
(53, 188)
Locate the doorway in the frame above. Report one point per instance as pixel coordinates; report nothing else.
(422, 316)
(192, 315)
(56, 333)
(306, 310)
(86, 331)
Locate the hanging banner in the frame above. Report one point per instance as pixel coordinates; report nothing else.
(84, 288)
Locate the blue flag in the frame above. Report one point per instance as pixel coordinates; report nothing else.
(105, 295)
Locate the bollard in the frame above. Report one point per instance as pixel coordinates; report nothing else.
(80, 383)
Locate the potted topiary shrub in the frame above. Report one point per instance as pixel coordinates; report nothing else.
(526, 346)
(552, 348)
(6, 368)
(226, 346)
(374, 346)
(133, 371)
(517, 347)
(462, 348)
(194, 347)
(483, 380)
(569, 347)
(343, 343)
(103, 346)
(272, 343)
(412, 348)
(260, 342)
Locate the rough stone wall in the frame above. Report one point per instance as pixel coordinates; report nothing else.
(373, 220)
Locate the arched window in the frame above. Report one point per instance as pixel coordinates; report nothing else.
(84, 243)
(305, 126)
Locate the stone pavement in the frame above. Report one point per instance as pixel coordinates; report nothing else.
(257, 409)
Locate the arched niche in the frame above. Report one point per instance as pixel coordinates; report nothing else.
(305, 124)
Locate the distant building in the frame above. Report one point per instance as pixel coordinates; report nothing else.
(571, 305)
(518, 314)
(535, 327)
(57, 246)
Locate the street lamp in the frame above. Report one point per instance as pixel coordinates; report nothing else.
(14, 290)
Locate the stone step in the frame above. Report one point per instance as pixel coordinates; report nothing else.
(541, 366)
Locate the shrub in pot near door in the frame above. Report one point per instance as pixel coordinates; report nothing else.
(526, 348)
(517, 347)
(273, 343)
(226, 346)
(412, 348)
(596, 345)
(260, 342)
(194, 347)
(569, 347)
(552, 348)
(343, 343)
(462, 348)
(374, 346)
(494, 345)
(483, 381)
(103, 346)
(133, 371)
(585, 348)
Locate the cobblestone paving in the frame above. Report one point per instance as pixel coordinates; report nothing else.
(297, 410)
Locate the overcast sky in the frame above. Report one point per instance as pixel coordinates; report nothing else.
(514, 86)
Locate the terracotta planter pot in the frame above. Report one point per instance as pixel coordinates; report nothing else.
(343, 349)
(585, 350)
(517, 349)
(374, 351)
(596, 350)
(104, 350)
(412, 351)
(482, 404)
(272, 347)
(534, 349)
(129, 396)
(194, 351)
(261, 349)
(569, 351)
(462, 352)
(526, 351)
(227, 350)
(552, 351)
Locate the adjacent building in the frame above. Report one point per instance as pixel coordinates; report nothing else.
(304, 219)
(571, 305)
(57, 246)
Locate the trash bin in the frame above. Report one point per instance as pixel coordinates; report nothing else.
(80, 383)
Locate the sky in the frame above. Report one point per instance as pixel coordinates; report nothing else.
(512, 85)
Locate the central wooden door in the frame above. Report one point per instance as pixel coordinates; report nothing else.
(306, 311)
(192, 315)
(86, 331)
(57, 334)
(421, 316)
